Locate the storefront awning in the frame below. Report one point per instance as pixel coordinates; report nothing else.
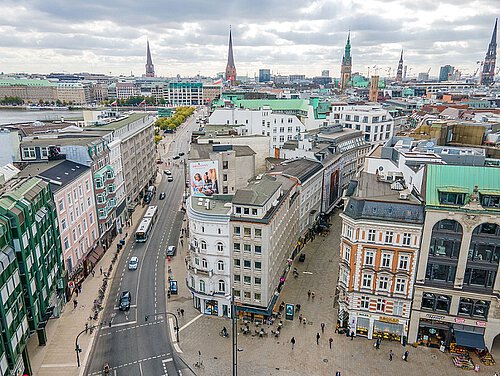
(470, 340)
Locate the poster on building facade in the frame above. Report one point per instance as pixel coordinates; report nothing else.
(203, 177)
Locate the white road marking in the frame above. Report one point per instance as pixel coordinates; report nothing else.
(190, 322)
(177, 348)
(131, 363)
(121, 324)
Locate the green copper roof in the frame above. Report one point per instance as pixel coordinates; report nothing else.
(9, 199)
(275, 104)
(25, 82)
(447, 178)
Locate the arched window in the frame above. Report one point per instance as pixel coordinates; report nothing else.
(220, 265)
(222, 285)
(204, 263)
(220, 247)
(195, 242)
(203, 245)
(202, 286)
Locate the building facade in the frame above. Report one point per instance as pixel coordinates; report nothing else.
(376, 123)
(185, 94)
(381, 231)
(74, 200)
(457, 284)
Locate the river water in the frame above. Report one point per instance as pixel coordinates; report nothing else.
(22, 116)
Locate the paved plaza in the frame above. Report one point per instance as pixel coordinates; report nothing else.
(274, 356)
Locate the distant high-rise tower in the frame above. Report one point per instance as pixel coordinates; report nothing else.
(345, 69)
(150, 68)
(230, 68)
(488, 73)
(373, 93)
(399, 75)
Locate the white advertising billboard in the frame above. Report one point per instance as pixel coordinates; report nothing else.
(203, 177)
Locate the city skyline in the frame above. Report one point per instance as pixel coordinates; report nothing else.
(287, 39)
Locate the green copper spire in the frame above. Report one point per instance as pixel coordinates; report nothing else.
(347, 53)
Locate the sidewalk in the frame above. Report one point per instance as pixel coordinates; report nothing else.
(274, 356)
(58, 357)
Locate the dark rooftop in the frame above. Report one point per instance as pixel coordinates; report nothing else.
(62, 174)
(303, 169)
(202, 151)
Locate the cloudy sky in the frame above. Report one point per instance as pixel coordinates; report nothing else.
(286, 36)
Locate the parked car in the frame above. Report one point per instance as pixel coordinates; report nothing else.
(133, 263)
(176, 157)
(170, 178)
(162, 195)
(181, 154)
(171, 249)
(125, 300)
(167, 172)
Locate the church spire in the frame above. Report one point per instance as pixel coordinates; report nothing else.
(150, 68)
(345, 69)
(230, 67)
(399, 74)
(488, 73)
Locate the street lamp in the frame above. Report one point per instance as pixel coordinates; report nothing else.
(146, 318)
(78, 350)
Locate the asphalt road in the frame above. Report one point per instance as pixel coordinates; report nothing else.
(132, 345)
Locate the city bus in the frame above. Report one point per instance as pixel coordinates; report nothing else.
(141, 235)
(152, 212)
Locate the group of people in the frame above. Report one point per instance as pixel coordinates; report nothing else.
(206, 184)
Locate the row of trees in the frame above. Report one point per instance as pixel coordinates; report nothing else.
(11, 101)
(180, 115)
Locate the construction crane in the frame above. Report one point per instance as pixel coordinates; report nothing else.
(389, 72)
(429, 71)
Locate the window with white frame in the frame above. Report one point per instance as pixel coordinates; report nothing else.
(398, 308)
(61, 205)
(367, 281)
(64, 225)
(386, 260)
(220, 247)
(203, 244)
(222, 285)
(220, 265)
(204, 263)
(44, 152)
(389, 235)
(347, 252)
(381, 305)
(202, 285)
(383, 282)
(371, 235)
(406, 238)
(403, 262)
(348, 231)
(400, 285)
(365, 302)
(29, 153)
(369, 257)
(66, 243)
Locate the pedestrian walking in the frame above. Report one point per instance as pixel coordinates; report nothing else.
(330, 340)
(100, 268)
(76, 292)
(391, 354)
(86, 327)
(337, 326)
(300, 318)
(377, 343)
(75, 303)
(405, 355)
(322, 327)
(93, 273)
(309, 295)
(317, 338)
(337, 373)
(313, 295)
(182, 312)
(79, 287)
(292, 341)
(182, 242)
(352, 335)
(178, 312)
(297, 307)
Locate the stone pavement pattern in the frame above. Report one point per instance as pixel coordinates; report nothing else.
(274, 356)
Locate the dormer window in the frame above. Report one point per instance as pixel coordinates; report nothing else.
(490, 201)
(451, 198)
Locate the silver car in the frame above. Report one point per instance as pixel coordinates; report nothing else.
(133, 263)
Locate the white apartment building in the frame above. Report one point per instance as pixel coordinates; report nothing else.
(263, 228)
(279, 127)
(375, 122)
(309, 176)
(209, 260)
(115, 161)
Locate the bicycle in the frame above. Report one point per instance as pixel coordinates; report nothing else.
(199, 364)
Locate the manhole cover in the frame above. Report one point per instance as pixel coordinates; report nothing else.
(325, 360)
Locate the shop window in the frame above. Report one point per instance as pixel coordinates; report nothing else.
(451, 198)
(473, 308)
